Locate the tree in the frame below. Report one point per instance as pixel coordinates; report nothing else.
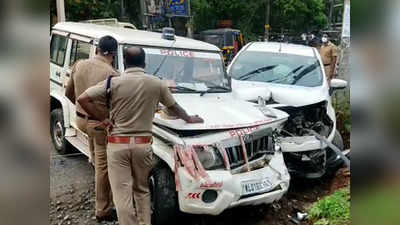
(296, 16)
(249, 16)
(245, 15)
(299, 15)
(77, 10)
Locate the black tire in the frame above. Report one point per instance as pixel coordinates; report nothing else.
(164, 198)
(57, 131)
(333, 164)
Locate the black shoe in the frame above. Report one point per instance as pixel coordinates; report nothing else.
(109, 218)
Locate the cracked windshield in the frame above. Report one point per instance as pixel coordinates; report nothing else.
(277, 68)
(186, 70)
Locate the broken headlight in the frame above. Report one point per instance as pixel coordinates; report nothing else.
(209, 157)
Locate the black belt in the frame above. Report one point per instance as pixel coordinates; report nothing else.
(84, 116)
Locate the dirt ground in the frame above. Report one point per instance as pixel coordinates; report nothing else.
(72, 198)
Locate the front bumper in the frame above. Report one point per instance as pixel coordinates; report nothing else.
(305, 156)
(229, 188)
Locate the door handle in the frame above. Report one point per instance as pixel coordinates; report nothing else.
(58, 74)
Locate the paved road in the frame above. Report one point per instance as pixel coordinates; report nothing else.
(69, 172)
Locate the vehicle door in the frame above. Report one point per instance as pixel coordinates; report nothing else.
(58, 53)
(81, 48)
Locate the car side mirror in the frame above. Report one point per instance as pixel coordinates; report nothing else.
(337, 84)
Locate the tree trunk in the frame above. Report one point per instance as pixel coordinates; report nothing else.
(267, 15)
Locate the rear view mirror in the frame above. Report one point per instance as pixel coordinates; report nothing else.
(337, 84)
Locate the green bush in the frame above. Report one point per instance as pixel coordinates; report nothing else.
(249, 16)
(333, 209)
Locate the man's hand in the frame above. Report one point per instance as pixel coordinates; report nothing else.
(69, 91)
(107, 124)
(195, 119)
(181, 113)
(88, 105)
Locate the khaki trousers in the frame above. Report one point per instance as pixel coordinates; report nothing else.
(329, 72)
(97, 146)
(82, 125)
(129, 166)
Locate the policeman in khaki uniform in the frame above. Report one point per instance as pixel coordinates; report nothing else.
(329, 53)
(87, 73)
(133, 99)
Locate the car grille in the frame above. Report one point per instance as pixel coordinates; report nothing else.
(255, 148)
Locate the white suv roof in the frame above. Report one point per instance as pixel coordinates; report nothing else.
(129, 36)
(277, 47)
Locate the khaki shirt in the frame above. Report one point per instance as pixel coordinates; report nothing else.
(87, 73)
(134, 100)
(327, 53)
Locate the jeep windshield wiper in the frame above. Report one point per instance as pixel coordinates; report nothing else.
(182, 88)
(213, 88)
(218, 87)
(257, 71)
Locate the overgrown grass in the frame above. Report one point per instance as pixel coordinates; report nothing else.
(333, 209)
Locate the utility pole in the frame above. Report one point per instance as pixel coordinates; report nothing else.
(346, 24)
(267, 26)
(331, 3)
(60, 11)
(143, 16)
(123, 12)
(189, 27)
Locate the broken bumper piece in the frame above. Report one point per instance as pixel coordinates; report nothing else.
(305, 156)
(301, 144)
(224, 190)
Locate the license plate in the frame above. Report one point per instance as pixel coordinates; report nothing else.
(255, 186)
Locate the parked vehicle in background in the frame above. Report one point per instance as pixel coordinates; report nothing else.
(227, 39)
(111, 22)
(297, 84)
(230, 160)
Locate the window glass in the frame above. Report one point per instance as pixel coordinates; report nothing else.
(189, 68)
(58, 48)
(79, 50)
(277, 68)
(217, 40)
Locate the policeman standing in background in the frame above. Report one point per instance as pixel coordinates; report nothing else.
(133, 99)
(329, 53)
(87, 73)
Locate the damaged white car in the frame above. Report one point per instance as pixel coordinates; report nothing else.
(229, 160)
(294, 81)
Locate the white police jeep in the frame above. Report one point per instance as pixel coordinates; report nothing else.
(229, 160)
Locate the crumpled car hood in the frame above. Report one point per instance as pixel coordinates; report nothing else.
(219, 112)
(283, 94)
